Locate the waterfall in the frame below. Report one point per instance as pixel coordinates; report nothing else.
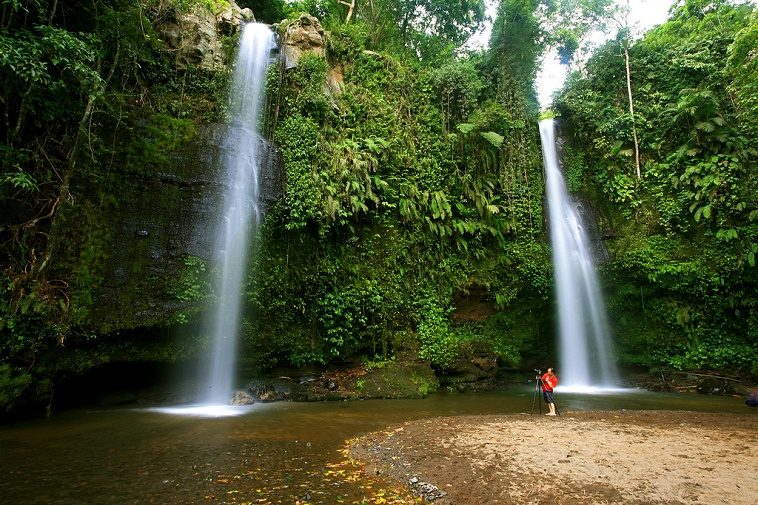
(586, 356)
(241, 162)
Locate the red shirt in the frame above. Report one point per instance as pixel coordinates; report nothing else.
(549, 381)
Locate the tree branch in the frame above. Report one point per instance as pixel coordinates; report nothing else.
(351, 6)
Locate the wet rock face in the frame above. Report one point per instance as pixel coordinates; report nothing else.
(162, 218)
(475, 371)
(304, 35)
(195, 36)
(587, 213)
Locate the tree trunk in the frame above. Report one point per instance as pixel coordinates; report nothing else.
(631, 111)
(351, 6)
(52, 12)
(64, 194)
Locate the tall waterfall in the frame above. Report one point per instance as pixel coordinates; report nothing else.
(586, 356)
(241, 208)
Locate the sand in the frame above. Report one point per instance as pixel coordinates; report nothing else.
(628, 457)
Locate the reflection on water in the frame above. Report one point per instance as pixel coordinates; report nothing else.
(596, 390)
(205, 410)
(274, 452)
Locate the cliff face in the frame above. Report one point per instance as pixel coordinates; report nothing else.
(160, 219)
(163, 233)
(158, 231)
(195, 37)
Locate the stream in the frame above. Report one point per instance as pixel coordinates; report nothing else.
(275, 453)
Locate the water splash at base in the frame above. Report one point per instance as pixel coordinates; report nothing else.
(205, 410)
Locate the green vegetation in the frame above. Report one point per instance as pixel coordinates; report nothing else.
(413, 181)
(683, 276)
(401, 192)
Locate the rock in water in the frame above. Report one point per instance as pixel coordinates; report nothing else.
(242, 398)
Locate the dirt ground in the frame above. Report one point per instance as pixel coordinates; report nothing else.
(629, 457)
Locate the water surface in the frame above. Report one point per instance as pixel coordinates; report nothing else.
(276, 453)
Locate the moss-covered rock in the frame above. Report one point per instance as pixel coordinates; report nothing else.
(195, 35)
(378, 379)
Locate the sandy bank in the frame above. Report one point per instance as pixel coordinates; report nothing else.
(577, 458)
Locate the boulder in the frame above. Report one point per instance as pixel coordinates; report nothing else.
(195, 35)
(241, 398)
(269, 390)
(715, 386)
(231, 19)
(301, 36)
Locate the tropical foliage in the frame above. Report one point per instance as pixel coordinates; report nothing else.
(684, 236)
(415, 186)
(402, 192)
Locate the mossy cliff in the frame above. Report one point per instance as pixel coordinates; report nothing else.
(109, 248)
(405, 204)
(377, 234)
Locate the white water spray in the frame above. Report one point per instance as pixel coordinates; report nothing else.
(241, 208)
(586, 357)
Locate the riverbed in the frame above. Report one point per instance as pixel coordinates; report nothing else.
(273, 453)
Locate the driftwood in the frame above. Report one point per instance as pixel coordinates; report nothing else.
(684, 389)
(713, 376)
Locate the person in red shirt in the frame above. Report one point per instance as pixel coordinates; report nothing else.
(549, 380)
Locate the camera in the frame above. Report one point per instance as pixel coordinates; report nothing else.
(538, 370)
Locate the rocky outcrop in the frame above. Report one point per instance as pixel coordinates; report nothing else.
(471, 371)
(301, 36)
(335, 81)
(474, 305)
(274, 389)
(389, 379)
(195, 35)
(305, 35)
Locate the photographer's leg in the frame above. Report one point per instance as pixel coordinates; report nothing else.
(550, 404)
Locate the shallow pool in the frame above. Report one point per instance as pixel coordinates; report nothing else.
(270, 453)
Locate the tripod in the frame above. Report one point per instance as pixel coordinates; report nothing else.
(538, 396)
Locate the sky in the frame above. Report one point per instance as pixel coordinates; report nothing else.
(645, 15)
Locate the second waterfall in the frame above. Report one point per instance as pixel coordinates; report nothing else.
(586, 356)
(241, 216)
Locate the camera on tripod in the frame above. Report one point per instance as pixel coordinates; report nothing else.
(538, 372)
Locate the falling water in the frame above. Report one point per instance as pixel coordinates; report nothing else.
(241, 209)
(586, 356)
